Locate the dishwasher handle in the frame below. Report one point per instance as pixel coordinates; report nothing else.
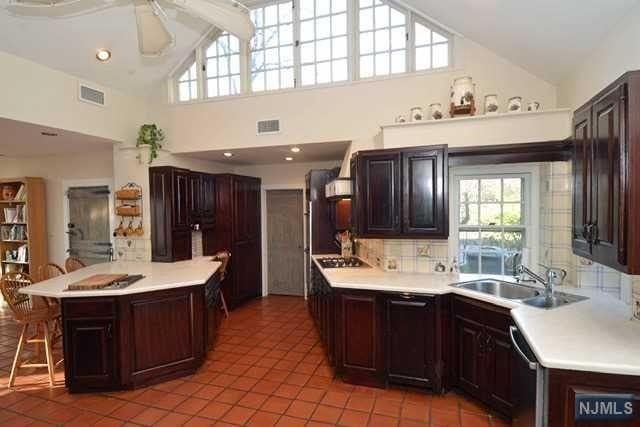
(532, 365)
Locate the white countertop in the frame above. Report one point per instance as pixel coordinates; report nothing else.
(592, 335)
(158, 276)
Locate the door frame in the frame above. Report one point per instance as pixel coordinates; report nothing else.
(265, 238)
(68, 183)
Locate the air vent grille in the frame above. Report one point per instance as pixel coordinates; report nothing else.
(91, 95)
(266, 127)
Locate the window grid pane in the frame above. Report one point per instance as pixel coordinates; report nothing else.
(188, 84)
(383, 39)
(492, 233)
(272, 46)
(223, 66)
(431, 48)
(324, 43)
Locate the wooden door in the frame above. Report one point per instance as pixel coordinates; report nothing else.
(247, 271)
(469, 356)
(498, 370)
(380, 206)
(410, 350)
(246, 208)
(195, 197)
(181, 213)
(582, 174)
(608, 194)
(424, 192)
(359, 347)
(160, 200)
(285, 242)
(208, 199)
(90, 353)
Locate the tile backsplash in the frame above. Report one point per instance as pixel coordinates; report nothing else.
(554, 243)
(132, 249)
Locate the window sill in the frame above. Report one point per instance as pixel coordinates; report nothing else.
(319, 86)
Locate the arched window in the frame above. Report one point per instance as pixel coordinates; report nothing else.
(223, 66)
(188, 84)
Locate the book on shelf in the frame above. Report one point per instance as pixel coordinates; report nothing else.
(23, 253)
(16, 214)
(10, 214)
(20, 194)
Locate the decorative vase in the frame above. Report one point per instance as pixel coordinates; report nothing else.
(401, 119)
(534, 106)
(491, 104)
(436, 111)
(514, 105)
(462, 100)
(416, 114)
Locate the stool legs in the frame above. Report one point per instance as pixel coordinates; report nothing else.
(16, 359)
(48, 351)
(224, 305)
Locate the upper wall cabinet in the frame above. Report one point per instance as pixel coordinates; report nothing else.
(401, 193)
(606, 133)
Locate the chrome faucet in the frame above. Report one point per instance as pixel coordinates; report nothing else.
(554, 276)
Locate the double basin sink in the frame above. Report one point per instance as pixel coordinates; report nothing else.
(516, 292)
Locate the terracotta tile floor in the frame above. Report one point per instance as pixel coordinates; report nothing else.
(268, 368)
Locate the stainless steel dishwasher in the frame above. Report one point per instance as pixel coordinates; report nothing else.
(530, 385)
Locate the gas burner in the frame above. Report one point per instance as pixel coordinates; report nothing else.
(341, 262)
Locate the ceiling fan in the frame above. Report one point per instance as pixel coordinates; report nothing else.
(154, 37)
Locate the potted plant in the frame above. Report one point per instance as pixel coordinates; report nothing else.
(152, 136)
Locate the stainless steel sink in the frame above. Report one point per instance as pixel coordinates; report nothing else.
(511, 291)
(516, 292)
(558, 299)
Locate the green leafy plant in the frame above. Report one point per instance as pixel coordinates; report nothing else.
(152, 136)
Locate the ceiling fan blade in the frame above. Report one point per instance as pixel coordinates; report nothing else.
(154, 39)
(227, 15)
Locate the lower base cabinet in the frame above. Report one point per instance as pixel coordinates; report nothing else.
(482, 353)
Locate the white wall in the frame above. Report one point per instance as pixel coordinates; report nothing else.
(289, 174)
(55, 170)
(36, 94)
(614, 55)
(349, 112)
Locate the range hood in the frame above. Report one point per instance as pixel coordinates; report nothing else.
(339, 188)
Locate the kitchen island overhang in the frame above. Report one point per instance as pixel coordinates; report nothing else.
(154, 330)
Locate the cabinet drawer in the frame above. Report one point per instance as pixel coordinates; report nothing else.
(89, 307)
(486, 314)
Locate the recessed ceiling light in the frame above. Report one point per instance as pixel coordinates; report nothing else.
(288, 159)
(295, 149)
(103, 55)
(227, 154)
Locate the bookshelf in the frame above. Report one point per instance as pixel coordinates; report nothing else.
(23, 233)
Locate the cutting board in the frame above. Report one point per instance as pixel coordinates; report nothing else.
(97, 281)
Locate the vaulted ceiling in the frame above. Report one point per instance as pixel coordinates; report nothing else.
(547, 37)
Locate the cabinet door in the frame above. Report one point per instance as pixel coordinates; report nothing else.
(90, 354)
(608, 184)
(195, 197)
(246, 270)
(380, 207)
(160, 200)
(181, 214)
(246, 208)
(582, 162)
(499, 366)
(410, 350)
(424, 192)
(359, 358)
(208, 199)
(469, 355)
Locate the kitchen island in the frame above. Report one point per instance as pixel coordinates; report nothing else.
(156, 329)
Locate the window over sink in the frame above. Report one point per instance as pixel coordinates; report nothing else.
(493, 224)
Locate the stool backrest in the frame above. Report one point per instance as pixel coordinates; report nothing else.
(49, 271)
(223, 257)
(73, 264)
(10, 285)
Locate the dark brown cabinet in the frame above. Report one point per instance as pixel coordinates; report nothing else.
(410, 339)
(321, 230)
(170, 214)
(237, 228)
(482, 353)
(359, 349)
(606, 137)
(401, 193)
(321, 305)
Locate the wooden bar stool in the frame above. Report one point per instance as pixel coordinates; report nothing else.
(26, 313)
(46, 272)
(73, 264)
(223, 257)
